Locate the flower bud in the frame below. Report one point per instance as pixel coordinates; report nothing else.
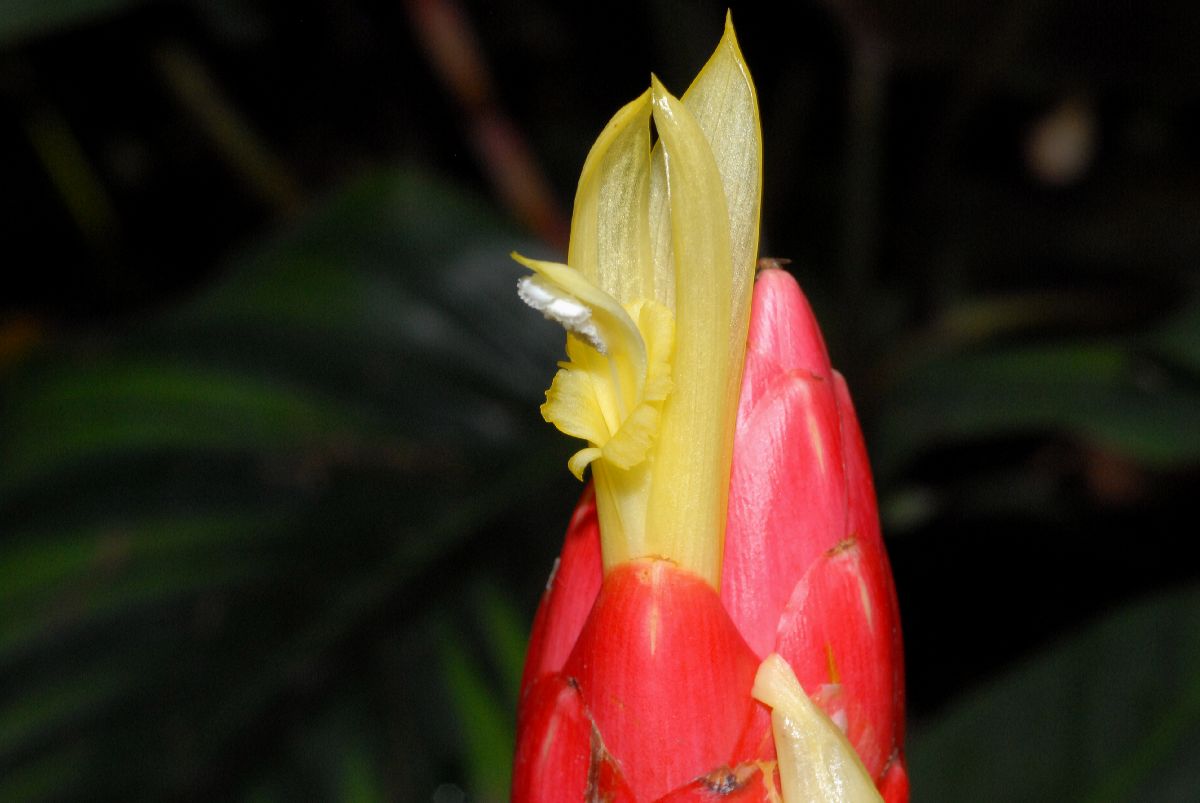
(805, 571)
(721, 620)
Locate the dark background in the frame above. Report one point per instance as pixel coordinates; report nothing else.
(276, 503)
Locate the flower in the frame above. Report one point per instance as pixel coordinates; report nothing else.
(721, 619)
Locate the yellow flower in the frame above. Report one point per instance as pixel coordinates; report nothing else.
(655, 297)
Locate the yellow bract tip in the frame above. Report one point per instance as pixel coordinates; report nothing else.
(656, 300)
(817, 763)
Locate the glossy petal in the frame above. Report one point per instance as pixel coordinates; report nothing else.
(686, 512)
(606, 782)
(863, 523)
(837, 636)
(894, 784)
(609, 329)
(787, 498)
(783, 336)
(802, 505)
(572, 588)
(665, 675)
(554, 747)
(610, 225)
(609, 393)
(723, 102)
(816, 763)
(787, 501)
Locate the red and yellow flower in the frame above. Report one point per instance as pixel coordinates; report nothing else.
(722, 620)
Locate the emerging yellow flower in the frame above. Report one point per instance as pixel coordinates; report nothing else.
(656, 296)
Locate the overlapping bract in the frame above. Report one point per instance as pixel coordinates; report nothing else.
(638, 685)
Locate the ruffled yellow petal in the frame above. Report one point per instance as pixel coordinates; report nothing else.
(817, 763)
(581, 460)
(631, 443)
(563, 294)
(609, 392)
(571, 405)
(657, 326)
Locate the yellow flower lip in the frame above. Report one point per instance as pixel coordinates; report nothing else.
(610, 391)
(655, 299)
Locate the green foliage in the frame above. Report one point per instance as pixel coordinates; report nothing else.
(222, 530)
(280, 539)
(1118, 396)
(1111, 714)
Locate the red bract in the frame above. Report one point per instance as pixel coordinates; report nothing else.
(805, 571)
(638, 684)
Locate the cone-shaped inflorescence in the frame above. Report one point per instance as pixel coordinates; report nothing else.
(721, 621)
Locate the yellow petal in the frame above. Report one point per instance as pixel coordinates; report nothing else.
(661, 253)
(686, 514)
(657, 326)
(817, 764)
(630, 444)
(656, 300)
(610, 230)
(723, 101)
(581, 460)
(571, 405)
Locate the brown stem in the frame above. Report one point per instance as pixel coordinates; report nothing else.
(456, 56)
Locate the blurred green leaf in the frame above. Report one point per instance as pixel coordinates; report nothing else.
(484, 722)
(236, 494)
(483, 685)
(1103, 394)
(50, 702)
(1111, 714)
(100, 408)
(1178, 338)
(506, 635)
(36, 563)
(23, 18)
(51, 775)
(60, 583)
(360, 779)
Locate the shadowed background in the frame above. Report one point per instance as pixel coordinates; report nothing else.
(276, 503)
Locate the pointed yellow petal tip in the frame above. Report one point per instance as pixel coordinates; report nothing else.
(658, 92)
(730, 42)
(729, 37)
(655, 298)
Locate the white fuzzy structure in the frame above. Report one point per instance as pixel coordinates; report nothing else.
(574, 315)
